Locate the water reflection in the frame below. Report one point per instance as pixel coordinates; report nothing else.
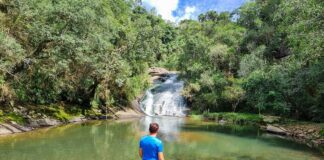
(170, 127)
(183, 140)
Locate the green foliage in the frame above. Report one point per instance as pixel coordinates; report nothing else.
(269, 61)
(92, 54)
(12, 117)
(95, 54)
(322, 133)
(135, 86)
(236, 118)
(61, 115)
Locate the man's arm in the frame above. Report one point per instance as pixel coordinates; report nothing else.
(140, 152)
(161, 156)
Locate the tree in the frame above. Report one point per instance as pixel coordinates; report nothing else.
(234, 94)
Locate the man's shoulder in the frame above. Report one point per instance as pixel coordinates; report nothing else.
(143, 138)
(157, 140)
(150, 138)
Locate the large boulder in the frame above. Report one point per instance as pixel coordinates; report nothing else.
(45, 122)
(20, 127)
(276, 130)
(157, 71)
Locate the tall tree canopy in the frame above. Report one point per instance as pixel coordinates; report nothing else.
(265, 57)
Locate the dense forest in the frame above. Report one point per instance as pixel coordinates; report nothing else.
(265, 57)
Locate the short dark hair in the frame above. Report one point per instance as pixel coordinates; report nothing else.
(154, 127)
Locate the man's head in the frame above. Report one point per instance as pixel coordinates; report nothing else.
(154, 128)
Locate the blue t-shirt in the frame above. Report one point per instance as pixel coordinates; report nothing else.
(151, 146)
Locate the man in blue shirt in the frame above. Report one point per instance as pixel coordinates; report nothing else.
(151, 148)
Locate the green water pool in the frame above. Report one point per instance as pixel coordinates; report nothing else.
(184, 139)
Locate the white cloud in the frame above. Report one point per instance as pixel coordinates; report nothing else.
(188, 13)
(163, 7)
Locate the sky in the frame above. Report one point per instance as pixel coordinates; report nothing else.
(177, 10)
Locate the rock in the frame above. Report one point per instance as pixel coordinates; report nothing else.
(154, 78)
(275, 130)
(22, 128)
(318, 143)
(157, 71)
(104, 117)
(48, 122)
(282, 129)
(77, 119)
(310, 131)
(222, 122)
(128, 113)
(33, 123)
(4, 130)
(11, 128)
(45, 122)
(301, 135)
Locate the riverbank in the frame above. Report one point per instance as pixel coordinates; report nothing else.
(24, 121)
(311, 134)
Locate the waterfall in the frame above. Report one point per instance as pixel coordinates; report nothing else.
(165, 99)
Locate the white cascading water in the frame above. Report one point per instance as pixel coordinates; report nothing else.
(165, 99)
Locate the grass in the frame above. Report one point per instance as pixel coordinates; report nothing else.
(235, 118)
(56, 111)
(196, 117)
(61, 113)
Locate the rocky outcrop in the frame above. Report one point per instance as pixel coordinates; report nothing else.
(77, 119)
(4, 130)
(159, 74)
(12, 127)
(45, 122)
(129, 113)
(157, 71)
(276, 130)
(308, 133)
(20, 127)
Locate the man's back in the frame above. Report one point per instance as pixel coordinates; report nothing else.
(151, 146)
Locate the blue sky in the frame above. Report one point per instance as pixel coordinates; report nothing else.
(177, 10)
